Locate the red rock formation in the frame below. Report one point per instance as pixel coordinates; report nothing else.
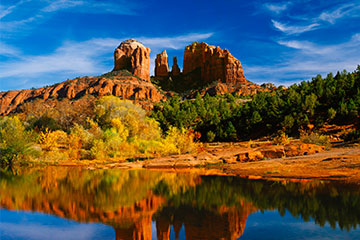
(161, 65)
(134, 57)
(210, 63)
(175, 71)
(126, 87)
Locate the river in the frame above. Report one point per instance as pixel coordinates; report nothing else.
(75, 203)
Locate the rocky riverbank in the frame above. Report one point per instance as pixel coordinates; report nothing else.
(258, 160)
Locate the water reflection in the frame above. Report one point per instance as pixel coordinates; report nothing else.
(204, 207)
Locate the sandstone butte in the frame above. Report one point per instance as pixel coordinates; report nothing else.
(130, 78)
(213, 70)
(134, 57)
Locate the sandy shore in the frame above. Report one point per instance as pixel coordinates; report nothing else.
(262, 161)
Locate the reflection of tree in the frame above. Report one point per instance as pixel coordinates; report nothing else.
(331, 202)
(212, 206)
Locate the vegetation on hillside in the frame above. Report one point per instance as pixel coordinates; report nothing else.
(333, 99)
(115, 129)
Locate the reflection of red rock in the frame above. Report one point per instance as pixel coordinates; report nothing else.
(140, 230)
(136, 218)
(228, 223)
(134, 222)
(162, 228)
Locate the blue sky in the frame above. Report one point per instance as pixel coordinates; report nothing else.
(47, 41)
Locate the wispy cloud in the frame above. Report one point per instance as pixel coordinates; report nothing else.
(276, 7)
(347, 10)
(91, 57)
(61, 5)
(4, 11)
(312, 23)
(43, 10)
(294, 29)
(177, 42)
(8, 50)
(120, 7)
(72, 57)
(307, 60)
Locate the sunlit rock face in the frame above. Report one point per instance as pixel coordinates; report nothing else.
(210, 63)
(133, 56)
(161, 64)
(122, 84)
(206, 69)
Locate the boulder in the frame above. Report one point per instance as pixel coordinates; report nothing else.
(133, 56)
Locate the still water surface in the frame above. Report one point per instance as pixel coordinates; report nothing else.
(73, 203)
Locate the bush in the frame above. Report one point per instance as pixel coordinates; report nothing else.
(15, 142)
(180, 141)
(281, 139)
(210, 136)
(52, 140)
(315, 138)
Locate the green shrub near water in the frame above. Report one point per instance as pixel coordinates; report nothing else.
(15, 141)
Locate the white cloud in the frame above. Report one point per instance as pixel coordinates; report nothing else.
(307, 61)
(61, 4)
(276, 8)
(313, 23)
(120, 7)
(351, 10)
(4, 11)
(294, 29)
(8, 50)
(177, 42)
(306, 46)
(37, 12)
(76, 57)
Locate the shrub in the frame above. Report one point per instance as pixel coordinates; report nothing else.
(52, 140)
(210, 136)
(315, 138)
(180, 141)
(281, 139)
(15, 142)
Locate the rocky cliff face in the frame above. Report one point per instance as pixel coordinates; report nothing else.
(131, 55)
(126, 87)
(161, 65)
(208, 69)
(210, 64)
(175, 71)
